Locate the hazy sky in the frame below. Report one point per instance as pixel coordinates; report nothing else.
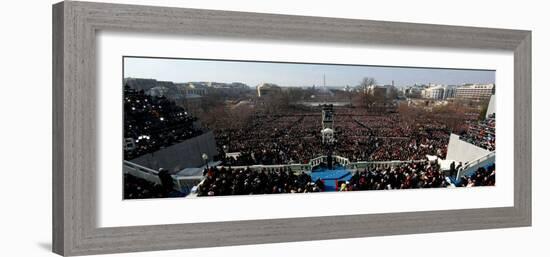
(289, 74)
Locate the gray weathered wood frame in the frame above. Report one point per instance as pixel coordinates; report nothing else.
(74, 130)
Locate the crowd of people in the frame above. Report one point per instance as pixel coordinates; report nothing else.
(270, 140)
(481, 177)
(294, 137)
(481, 133)
(395, 138)
(222, 181)
(410, 175)
(405, 176)
(290, 136)
(415, 175)
(151, 123)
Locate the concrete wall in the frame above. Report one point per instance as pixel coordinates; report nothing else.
(186, 154)
(461, 151)
(491, 107)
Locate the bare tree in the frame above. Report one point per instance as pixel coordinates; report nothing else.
(363, 88)
(366, 82)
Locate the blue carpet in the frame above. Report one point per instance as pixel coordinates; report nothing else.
(331, 177)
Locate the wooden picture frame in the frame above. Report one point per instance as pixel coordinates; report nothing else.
(75, 25)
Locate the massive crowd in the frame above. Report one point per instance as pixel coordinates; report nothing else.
(415, 175)
(481, 133)
(294, 137)
(405, 176)
(245, 182)
(151, 123)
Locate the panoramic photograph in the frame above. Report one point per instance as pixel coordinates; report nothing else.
(205, 128)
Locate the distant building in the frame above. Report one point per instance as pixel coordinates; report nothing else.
(377, 91)
(193, 88)
(475, 91)
(413, 91)
(439, 92)
(381, 91)
(158, 91)
(146, 84)
(266, 89)
(232, 85)
(233, 89)
(450, 91)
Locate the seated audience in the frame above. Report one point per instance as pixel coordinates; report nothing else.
(229, 181)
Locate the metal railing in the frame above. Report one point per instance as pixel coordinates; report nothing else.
(318, 160)
(142, 172)
(186, 183)
(378, 164)
(181, 183)
(475, 164)
(276, 167)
